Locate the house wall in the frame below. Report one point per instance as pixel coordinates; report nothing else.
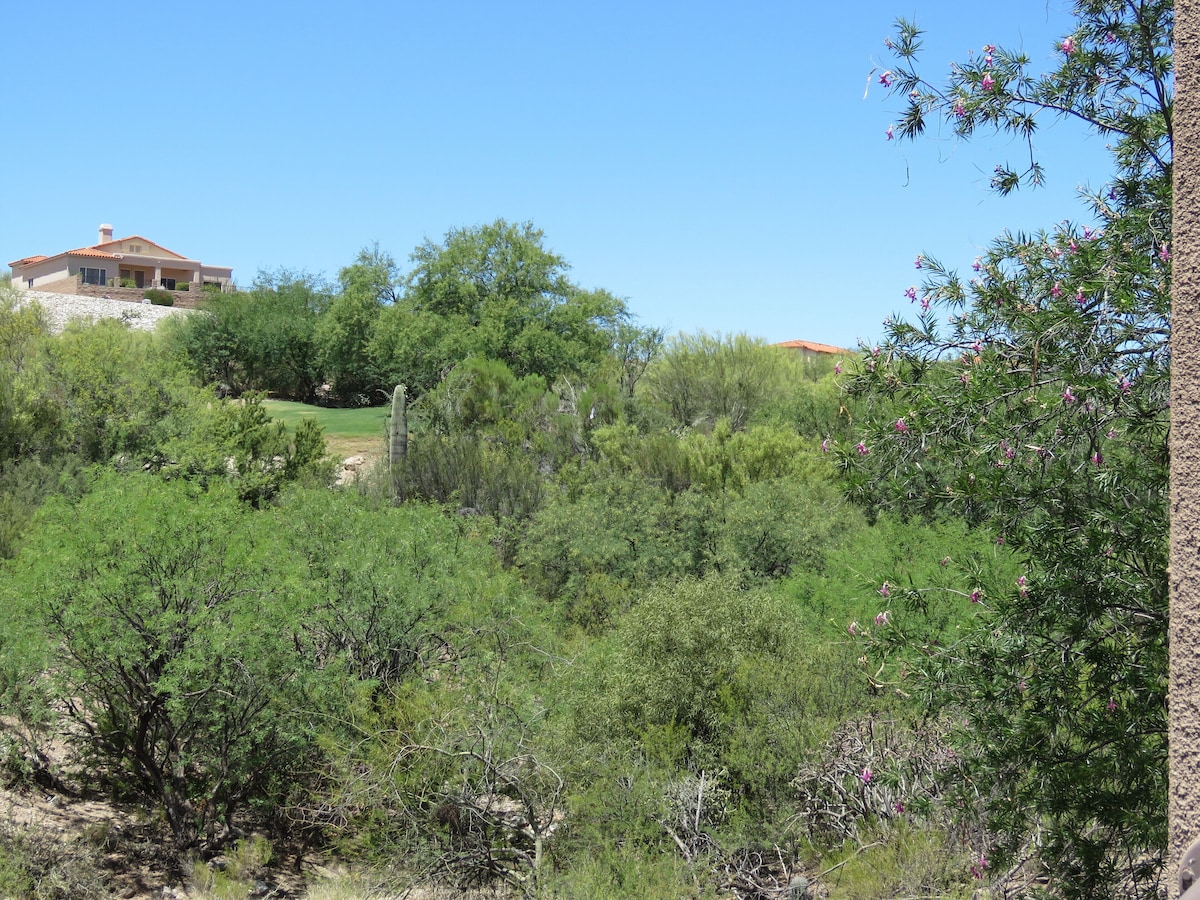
(47, 272)
(220, 274)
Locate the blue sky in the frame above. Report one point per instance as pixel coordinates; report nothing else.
(716, 165)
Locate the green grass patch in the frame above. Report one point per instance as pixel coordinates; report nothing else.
(367, 421)
(347, 431)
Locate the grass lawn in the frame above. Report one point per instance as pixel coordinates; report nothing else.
(347, 431)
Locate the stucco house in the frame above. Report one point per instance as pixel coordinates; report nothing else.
(132, 262)
(811, 350)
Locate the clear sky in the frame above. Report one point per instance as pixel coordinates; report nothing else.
(715, 164)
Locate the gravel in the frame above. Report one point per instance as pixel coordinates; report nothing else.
(63, 308)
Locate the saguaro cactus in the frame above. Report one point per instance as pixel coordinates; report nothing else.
(398, 427)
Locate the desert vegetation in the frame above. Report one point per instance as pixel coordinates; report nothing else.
(616, 614)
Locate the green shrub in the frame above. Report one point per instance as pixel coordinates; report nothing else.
(181, 286)
(159, 297)
(127, 283)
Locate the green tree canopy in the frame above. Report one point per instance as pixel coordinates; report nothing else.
(494, 291)
(1031, 397)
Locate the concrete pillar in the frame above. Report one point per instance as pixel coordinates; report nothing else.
(1184, 699)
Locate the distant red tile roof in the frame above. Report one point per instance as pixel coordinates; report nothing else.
(813, 347)
(29, 260)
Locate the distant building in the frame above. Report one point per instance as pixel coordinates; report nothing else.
(811, 350)
(132, 262)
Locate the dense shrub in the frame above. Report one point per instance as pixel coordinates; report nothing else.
(159, 297)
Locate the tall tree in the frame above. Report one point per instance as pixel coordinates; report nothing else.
(1032, 398)
(494, 291)
(368, 286)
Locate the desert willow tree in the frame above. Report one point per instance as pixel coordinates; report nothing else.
(1031, 397)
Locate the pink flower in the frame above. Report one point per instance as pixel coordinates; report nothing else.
(1068, 45)
(911, 292)
(866, 776)
(861, 448)
(977, 265)
(1124, 384)
(1164, 253)
(945, 561)
(988, 82)
(924, 304)
(886, 590)
(852, 628)
(898, 808)
(1097, 459)
(1068, 397)
(837, 367)
(882, 618)
(901, 426)
(825, 445)
(1056, 291)
(1080, 298)
(976, 595)
(886, 79)
(1021, 581)
(920, 260)
(959, 109)
(1022, 686)
(1087, 233)
(890, 132)
(979, 866)
(1073, 246)
(1112, 704)
(987, 60)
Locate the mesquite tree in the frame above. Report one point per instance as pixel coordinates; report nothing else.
(1031, 396)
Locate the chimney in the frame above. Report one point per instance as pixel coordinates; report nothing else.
(105, 234)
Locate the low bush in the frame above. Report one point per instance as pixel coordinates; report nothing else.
(159, 297)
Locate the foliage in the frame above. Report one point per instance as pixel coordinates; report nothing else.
(238, 442)
(169, 639)
(25, 415)
(345, 331)
(264, 339)
(703, 378)
(697, 669)
(1040, 409)
(159, 297)
(493, 291)
(112, 391)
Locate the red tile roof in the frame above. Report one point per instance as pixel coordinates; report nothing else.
(29, 260)
(813, 347)
(90, 251)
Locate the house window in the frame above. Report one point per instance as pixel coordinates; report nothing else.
(94, 276)
(169, 283)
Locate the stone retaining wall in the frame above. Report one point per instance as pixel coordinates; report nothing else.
(64, 308)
